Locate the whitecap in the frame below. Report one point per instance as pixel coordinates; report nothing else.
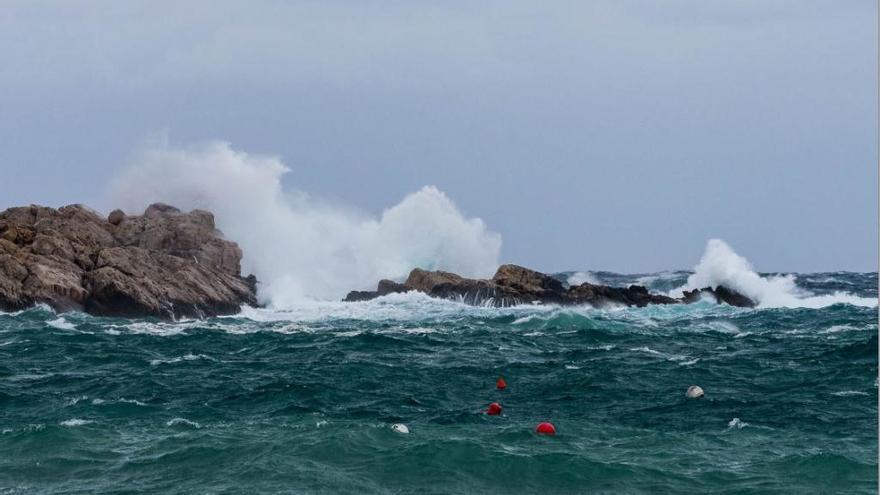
(183, 422)
(605, 347)
(73, 401)
(351, 333)
(736, 423)
(419, 330)
(61, 324)
(676, 358)
(645, 349)
(524, 319)
(845, 393)
(75, 422)
(98, 402)
(185, 357)
(838, 328)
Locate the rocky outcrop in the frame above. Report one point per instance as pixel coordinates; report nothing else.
(720, 294)
(513, 285)
(164, 263)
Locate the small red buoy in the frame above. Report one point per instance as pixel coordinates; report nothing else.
(501, 384)
(545, 429)
(494, 409)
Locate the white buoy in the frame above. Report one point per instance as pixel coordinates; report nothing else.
(400, 428)
(694, 392)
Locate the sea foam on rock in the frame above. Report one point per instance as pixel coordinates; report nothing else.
(514, 285)
(165, 263)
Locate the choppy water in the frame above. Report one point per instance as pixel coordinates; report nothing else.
(303, 400)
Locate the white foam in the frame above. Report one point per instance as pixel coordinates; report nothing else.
(298, 246)
(720, 265)
(646, 349)
(524, 319)
(845, 393)
(98, 402)
(737, 423)
(676, 358)
(418, 330)
(605, 347)
(75, 422)
(182, 422)
(579, 278)
(61, 324)
(838, 329)
(185, 357)
(73, 401)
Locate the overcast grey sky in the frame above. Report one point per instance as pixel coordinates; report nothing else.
(612, 135)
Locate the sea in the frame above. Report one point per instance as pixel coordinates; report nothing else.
(303, 399)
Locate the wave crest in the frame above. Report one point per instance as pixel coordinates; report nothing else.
(721, 265)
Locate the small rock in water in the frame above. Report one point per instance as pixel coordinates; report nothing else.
(694, 392)
(400, 428)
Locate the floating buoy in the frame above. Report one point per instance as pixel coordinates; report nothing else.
(494, 409)
(545, 429)
(694, 392)
(501, 384)
(400, 428)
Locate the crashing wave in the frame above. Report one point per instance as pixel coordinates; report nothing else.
(300, 247)
(722, 266)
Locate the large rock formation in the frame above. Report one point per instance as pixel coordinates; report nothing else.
(164, 263)
(513, 285)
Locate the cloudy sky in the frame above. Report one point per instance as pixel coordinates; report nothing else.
(591, 135)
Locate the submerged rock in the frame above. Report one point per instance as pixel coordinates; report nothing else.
(165, 263)
(513, 285)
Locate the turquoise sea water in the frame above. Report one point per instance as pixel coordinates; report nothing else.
(302, 400)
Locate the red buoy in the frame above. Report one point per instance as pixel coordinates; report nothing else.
(501, 384)
(545, 429)
(494, 409)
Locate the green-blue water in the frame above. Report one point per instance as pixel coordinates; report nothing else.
(302, 400)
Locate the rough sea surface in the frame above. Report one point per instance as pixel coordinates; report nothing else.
(302, 400)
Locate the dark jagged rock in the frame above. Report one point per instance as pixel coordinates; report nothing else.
(512, 285)
(721, 294)
(165, 263)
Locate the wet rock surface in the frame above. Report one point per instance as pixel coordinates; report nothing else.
(513, 285)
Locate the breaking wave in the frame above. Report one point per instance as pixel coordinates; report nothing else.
(305, 249)
(298, 246)
(720, 265)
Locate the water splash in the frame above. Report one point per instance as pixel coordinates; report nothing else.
(301, 247)
(721, 265)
